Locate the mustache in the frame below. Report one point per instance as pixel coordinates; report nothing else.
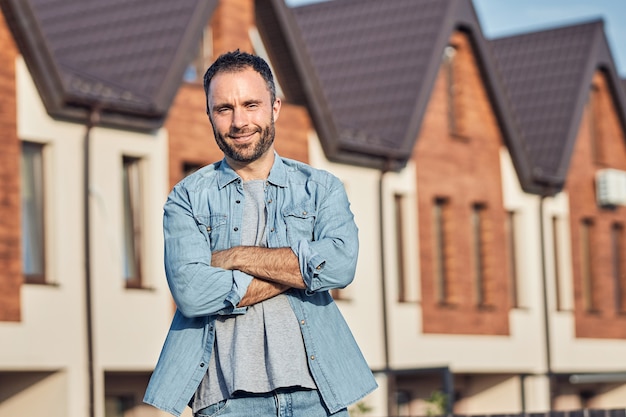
(246, 131)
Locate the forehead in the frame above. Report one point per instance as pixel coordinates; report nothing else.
(236, 85)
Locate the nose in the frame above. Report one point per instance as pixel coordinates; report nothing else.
(240, 119)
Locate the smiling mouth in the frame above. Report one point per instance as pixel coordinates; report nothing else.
(242, 136)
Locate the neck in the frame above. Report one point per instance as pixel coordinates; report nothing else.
(255, 170)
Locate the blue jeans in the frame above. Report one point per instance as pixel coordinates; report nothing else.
(288, 403)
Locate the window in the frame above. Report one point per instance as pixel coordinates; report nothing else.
(118, 406)
(398, 202)
(260, 50)
(453, 89)
(557, 268)
(133, 208)
(586, 232)
(196, 69)
(512, 252)
(190, 167)
(595, 125)
(123, 392)
(440, 215)
(619, 276)
(478, 211)
(403, 402)
(32, 195)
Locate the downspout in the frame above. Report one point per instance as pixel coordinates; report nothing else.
(94, 117)
(546, 310)
(383, 291)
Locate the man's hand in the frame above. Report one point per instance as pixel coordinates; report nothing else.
(261, 290)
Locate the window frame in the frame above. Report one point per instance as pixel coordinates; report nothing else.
(133, 241)
(587, 227)
(40, 277)
(478, 254)
(618, 266)
(453, 85)
(441, 207)
(399, 202)
(511, 232)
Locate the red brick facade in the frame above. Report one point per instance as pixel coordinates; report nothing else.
(10, 260)
(465, 171)
(606, 148)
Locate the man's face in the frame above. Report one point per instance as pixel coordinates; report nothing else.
(242, 115)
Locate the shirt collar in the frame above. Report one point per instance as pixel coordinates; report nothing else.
(277, 177)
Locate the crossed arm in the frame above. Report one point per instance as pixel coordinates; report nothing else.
(275, 270)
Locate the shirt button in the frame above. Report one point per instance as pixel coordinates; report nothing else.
(202, 365)
(236, 229)
(302, 322)
(312, 357)
(272, 230)
(318, 267)
(208, 228)
(237, 201)
(304, 213)
(269, 201)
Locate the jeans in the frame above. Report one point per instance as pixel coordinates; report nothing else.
(287, 403)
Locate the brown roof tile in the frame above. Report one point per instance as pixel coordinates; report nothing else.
(372, 59)
(126, 55)
(547, 75)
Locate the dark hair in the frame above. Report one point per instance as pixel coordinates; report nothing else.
(237, 61)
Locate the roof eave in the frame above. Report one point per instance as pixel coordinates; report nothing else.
(108, 118)
(63, 103)
(33, 47)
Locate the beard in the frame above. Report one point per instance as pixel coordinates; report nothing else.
(248, 152)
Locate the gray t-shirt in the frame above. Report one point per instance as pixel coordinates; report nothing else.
(261, 350)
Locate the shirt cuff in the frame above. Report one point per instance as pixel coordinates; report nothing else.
(311, 264)
(241, 281)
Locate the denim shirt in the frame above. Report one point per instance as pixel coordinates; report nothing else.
(308, 211)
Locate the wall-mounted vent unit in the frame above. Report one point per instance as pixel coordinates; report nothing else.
(611, 187)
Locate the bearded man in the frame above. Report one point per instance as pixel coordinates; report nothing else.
(253, 245)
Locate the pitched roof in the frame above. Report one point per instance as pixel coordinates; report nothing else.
(125, 56)
(366, 70)
(547, 76)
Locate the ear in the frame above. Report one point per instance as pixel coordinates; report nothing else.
(276, 108)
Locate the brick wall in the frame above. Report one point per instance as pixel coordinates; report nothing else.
(10, 261)
(604, 321)
(465, 170)
(230, 23)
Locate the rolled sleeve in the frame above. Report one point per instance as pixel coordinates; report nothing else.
(241, 281)
(311, 264)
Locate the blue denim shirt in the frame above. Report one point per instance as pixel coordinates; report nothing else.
(308, 211)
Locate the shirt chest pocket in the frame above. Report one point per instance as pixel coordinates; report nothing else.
(213, 227)
(300, 223)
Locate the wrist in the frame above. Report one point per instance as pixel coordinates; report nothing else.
(236, 257)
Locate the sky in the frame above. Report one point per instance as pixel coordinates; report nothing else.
(509, 17)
